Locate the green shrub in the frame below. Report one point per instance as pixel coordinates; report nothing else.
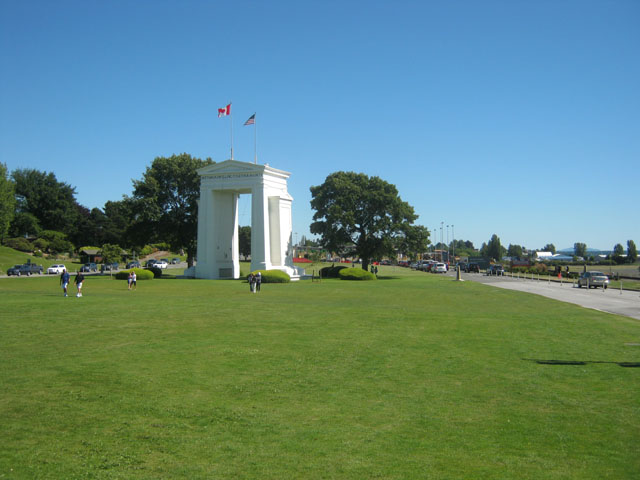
(157, 272)
(356, 274)
(273, 276)
(331, 272)
(19, 243)
(38, 253)
(141, 274)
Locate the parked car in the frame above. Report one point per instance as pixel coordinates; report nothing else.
(593, 279)
(495, 270)
(133, 265)
(27, 269)
(161, 264)
(175, 260)
(473, 268)
(15, 270)
(439, 268)
(108, 267)
(56, 269)
(150, 263)
(89, 267)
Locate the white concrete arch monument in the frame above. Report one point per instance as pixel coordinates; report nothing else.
(221, 184)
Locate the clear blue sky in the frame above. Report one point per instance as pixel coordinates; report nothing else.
(515, 118)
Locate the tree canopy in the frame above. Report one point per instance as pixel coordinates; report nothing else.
(580, 249)
(165, 200)
(7, 201)
(632, 251)
(366, 212)
(52, 202)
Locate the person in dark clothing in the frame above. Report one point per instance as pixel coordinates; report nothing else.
(64, 281)
(79, 279)
(258, 281)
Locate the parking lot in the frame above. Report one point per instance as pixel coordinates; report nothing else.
(625, 302)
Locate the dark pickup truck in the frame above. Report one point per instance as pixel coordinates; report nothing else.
(26, 269)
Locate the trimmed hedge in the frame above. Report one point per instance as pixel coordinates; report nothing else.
(141, 274)
(356, 274)
(273, 276)
(331, 272)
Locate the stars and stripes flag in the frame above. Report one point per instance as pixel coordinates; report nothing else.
(252, 120)
(224, 111)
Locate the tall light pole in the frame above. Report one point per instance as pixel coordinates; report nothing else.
(448, 259)
(441, 239)
(453, 240)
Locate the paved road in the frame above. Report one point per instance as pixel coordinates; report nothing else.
(611, 300)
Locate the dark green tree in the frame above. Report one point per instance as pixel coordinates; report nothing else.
(618, 252)
(7, 201)
(580, 249)
(494, 248)
(515, 251)
(355, 209)
(244, 241)
(24, 223)
(632, 251)
(111, 254)
(52, 202)
(413, 241)
(549, 247)
(165, 202)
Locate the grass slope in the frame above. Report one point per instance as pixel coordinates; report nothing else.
(412, 376)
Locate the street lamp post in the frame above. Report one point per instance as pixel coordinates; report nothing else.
(448, 259)
(441, 240)
(453, 241)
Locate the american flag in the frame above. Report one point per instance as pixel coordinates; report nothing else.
(252, 120)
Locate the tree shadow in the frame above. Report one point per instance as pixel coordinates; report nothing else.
(581, 362)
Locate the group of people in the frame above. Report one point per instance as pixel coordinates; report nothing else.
(65, 278)
(64, 281)
(255, 280)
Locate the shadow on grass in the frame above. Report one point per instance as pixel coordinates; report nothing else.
(581, 362)
(387, 277)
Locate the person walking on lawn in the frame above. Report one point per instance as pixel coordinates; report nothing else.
(79, 279)
(64, 281)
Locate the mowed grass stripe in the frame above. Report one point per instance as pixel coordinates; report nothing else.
(413, 376)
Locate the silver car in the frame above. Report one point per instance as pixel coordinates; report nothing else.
(593, 280)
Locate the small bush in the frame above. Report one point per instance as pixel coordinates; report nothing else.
(273, 276)
(157, 272)
(19, 243)
(141, 274)
(331, 272)
(38, 253)
(356, 274)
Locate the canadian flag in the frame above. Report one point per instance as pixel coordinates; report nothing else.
(223, 112)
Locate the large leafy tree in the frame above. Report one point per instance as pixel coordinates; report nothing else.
(366, 212)
(515, 251)
(165, 201)
(494, 248)
(52, 202)
(632, 251)
(7, 201)
(549, 247)
(580, 249)
(413, 241)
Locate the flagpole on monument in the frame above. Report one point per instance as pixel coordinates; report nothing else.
(255, 142)
(231, 119)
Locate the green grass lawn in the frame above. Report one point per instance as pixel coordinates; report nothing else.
(410, 376)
